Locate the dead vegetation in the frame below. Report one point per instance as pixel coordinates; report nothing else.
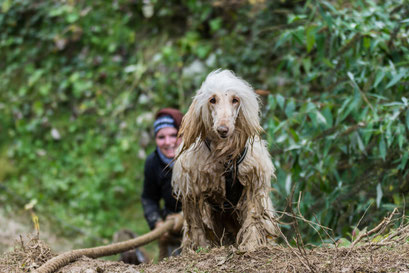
(384, 248)
(28, 254)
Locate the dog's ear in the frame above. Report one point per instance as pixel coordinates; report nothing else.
(248, 119)
(192, 127)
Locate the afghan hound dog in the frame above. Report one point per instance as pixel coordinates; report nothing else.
(222, 171)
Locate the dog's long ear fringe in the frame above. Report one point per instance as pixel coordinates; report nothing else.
(248, 120)
(192, 127)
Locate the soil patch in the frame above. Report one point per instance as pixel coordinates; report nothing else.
(31, 252)
(385, 248)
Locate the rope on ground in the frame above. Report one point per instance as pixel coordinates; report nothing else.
(65, 258)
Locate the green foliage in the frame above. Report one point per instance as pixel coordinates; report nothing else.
(338, 126)
(80, 81)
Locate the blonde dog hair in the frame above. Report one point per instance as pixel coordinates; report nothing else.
(197, 121)
(221, 134)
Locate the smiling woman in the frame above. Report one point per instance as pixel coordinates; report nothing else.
(157, 178)
(166, 138)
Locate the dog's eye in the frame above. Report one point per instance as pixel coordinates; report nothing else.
(234, 101)
(212, 100)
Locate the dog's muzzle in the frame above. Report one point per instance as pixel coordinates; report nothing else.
(222, 131)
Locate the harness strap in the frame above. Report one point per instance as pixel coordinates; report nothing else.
(233, 187)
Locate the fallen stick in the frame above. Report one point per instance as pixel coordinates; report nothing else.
(65, 258)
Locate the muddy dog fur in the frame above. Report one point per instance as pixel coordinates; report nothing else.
(223, 171)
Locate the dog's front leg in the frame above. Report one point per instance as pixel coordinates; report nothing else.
(194, 234)
(259, 225)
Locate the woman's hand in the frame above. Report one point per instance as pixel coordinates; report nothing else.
(178, 222)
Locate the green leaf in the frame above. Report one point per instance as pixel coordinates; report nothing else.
(407, 118)
(328, 62)
(288, 183)
(294, 18)
(310, 33)
(5, 6)
(272, 102)
(215, 24)
(307, 64)
(403, 161)
(367, 133)
(379, 77)
(330, 6)
(320, 118)
(38, 107)
(284, 122)
(382, 148)
(280, 100)
(343, 242)
(328, 116)
(345, 109)
(379, 195)
(289, 109)
(401, 140)
(361, 145)
(405, 101)
(367, 42)
(35, 77)
(327, 18)
(72, 17)
(352, 78)
(395, 79)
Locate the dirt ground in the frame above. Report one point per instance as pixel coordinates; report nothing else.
(31, 252)
(382, 249)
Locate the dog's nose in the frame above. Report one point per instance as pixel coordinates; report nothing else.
(222, 130)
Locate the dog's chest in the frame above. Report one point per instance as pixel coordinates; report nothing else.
(222, 188)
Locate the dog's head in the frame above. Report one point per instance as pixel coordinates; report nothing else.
(224, 106)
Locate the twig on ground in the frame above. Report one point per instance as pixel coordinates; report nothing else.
(385, 222)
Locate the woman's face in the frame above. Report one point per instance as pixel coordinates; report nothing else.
(167, 141)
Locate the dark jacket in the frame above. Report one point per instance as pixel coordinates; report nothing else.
(157, 186)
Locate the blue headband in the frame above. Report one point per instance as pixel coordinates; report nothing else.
(162, 122)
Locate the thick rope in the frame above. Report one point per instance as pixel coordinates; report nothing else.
(65, 258)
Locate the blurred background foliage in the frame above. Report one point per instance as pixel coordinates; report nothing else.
(81, 80)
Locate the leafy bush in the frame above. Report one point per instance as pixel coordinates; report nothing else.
(339, 123)
(80, 82)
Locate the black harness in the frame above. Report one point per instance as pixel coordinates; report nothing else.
(234, 188)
